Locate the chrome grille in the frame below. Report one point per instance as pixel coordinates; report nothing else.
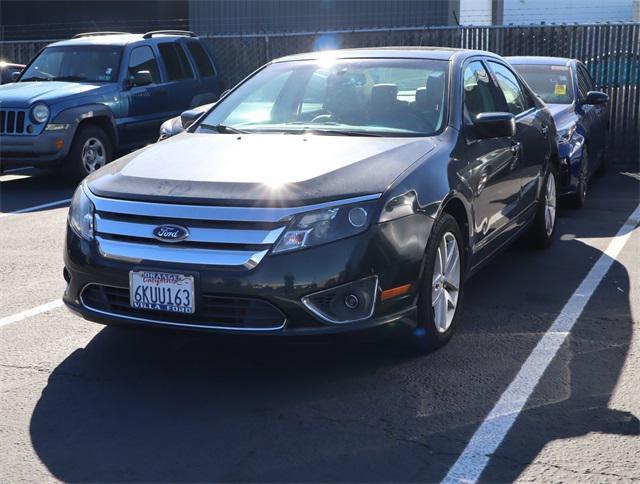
(12, 121)
(227, 237)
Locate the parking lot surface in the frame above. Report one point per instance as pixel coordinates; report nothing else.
(81, 402)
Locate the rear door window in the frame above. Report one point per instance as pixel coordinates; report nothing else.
(175, 61)
(200, 57)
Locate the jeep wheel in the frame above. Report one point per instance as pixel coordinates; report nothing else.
(91, 149)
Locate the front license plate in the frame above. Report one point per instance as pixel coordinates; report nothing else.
(161, 291)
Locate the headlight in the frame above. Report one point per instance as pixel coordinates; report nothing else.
(323, 226)
(40, 113)
(81, 214)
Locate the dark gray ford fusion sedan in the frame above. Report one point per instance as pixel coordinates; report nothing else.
(327, 192)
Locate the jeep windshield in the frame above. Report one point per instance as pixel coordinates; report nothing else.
(78, 63)
(353, 97)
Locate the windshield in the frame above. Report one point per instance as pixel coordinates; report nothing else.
(358, 97)
(81, 63)
(551, 83)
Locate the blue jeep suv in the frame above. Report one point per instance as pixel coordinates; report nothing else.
(81, 101)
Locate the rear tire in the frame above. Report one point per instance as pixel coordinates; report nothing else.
(90, 150)
(544, 223)
(442, 284)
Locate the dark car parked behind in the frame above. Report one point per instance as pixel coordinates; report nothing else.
(81, 101)
(580, 114)
(328, 192)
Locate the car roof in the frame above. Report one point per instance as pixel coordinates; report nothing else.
(540, 60)
(437, 53)
(112, 39)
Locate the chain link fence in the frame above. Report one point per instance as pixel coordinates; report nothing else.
(610, 51)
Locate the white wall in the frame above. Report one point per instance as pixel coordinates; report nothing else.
(558, 11)
(475, 12)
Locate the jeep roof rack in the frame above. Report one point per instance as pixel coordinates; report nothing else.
(94, 34)
(185, 33)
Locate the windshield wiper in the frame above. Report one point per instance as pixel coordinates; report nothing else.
(69, 78)
(222, 128)
(341, 132)
(35, 78)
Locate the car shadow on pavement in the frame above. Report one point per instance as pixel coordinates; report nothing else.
(138, 405)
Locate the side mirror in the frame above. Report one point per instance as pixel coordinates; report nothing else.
(140, 78)
(596, 97)
(15, 75)
(494, 125)
(187, 118)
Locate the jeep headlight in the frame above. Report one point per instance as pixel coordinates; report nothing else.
(323, 226)
(81, 214)
(40, 113)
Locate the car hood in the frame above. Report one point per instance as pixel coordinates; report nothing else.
(265, 169)
(24, 94)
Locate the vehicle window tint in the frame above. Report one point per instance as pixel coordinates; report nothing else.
(203, 63)
(587, 78)
(175, 60)
(142, 59)
(584, 82)
(478, 94)
(510, 87)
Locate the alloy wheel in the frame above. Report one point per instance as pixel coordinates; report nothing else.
(445, 282)
(94, 155)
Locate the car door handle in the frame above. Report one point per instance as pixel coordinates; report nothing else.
(515, 147)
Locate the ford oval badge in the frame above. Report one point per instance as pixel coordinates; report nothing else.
(170, 233)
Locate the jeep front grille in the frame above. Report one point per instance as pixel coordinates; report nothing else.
(12, 121)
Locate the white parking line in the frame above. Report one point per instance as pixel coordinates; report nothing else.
(36, 207)
(491, 433)
(14, 318)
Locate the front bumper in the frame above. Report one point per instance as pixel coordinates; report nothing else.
(392, 251)
(570, 153)
(35, 150)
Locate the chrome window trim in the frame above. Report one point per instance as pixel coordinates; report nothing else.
(172, 324)
(105, 225)
(214, 213)
(159, 252)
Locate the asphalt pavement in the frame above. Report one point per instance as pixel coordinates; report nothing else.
(81, 402)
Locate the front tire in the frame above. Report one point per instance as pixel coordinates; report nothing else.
(544, 223)
(442, 285)
(90, 150)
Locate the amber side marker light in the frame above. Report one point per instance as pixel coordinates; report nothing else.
(59, 144)
(394, 292)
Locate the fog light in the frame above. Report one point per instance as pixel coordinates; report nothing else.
(351, 301)
(346, 303)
